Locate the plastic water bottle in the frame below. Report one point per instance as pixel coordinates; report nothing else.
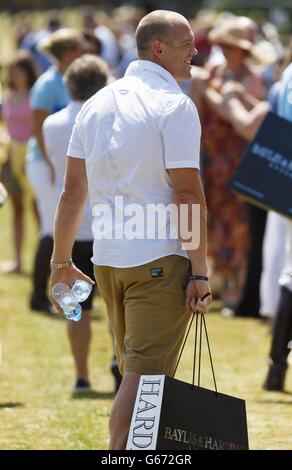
(62, 294)
(69, 299)
(81, 290)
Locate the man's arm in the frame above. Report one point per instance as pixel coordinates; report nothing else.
(187, 189)
(68, 217)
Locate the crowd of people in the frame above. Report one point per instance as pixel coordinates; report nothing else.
(211, 79)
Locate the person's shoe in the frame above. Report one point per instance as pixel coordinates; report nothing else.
(227, 312)
(10, 267)
(275, 378)
(41, 304)
(116, 373)
(81, 386)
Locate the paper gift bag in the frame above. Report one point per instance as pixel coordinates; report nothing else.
(173, 415)
(264, 175)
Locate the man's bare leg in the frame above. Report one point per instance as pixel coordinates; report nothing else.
(122, 410)
(79, 335)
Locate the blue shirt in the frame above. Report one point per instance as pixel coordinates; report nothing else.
(31, 42)
(273, 96)
(285, 97)
(48, 94)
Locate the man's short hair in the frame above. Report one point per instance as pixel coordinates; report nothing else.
(152, 26)
(85, 76)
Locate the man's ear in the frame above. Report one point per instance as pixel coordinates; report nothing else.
(157, 49)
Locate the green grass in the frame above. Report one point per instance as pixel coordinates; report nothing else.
(36, 373)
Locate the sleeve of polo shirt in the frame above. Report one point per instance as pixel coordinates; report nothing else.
(181, 134)
(75, 148)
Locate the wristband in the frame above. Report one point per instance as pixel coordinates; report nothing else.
(198, 278)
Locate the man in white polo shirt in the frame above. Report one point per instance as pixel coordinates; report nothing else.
(136, 144)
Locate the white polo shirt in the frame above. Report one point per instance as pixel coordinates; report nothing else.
(57, 129)
(130, 133)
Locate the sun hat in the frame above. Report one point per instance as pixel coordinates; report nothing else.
(241, 32)
(232, 32)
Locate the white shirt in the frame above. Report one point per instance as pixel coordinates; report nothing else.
(130, 133)
(57, 130)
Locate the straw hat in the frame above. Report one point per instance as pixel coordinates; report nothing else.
(232, 32)
(241, 32)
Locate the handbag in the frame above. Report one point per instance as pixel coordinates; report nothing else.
(264, 175)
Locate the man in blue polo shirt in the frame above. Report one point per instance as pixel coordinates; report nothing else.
(48, 96)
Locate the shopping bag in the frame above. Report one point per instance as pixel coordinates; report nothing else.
(264, 175)
(173, 415)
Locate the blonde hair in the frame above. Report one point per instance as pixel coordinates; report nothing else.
(62, 40)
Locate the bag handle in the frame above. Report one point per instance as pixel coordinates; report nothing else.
(202, 322)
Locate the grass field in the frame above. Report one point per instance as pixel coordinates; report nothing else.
(37, 410)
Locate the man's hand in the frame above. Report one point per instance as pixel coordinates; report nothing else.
(67, 276)
(196, 291)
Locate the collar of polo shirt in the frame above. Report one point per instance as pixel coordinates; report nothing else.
(149, 66)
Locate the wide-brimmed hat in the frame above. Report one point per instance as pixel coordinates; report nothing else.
(240, 32)
(231, 33)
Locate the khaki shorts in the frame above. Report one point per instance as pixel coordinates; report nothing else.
(146, 309)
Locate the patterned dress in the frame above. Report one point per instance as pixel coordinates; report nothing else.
(228, 230)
